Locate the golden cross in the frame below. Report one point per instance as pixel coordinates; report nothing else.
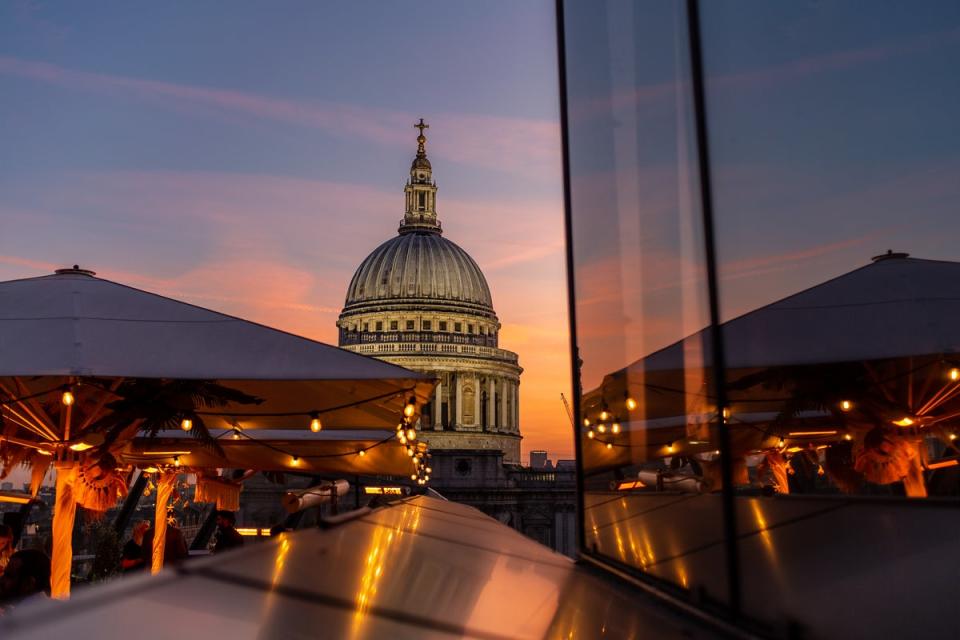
(420, 125)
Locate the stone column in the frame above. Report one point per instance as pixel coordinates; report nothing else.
(515, 388)
(437, 406)
(459, 403)
(478, 416)
(491, 405)
(503, 404)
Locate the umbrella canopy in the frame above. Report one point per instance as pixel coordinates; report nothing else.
(873, 346)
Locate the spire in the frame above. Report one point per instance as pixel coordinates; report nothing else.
(421, 191)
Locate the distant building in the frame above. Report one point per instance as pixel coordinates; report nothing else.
(538, 459)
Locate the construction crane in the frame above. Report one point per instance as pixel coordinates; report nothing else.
(566, 405)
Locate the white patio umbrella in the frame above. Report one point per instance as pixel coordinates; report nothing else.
(87, 364)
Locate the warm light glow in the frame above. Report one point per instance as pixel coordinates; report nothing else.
(781, 442)
(252, 531)
(294, 460)
(615, 427)
(830, 432)
(630, 484)
(236, 434)
(847, 436)
(413, 476)
(176, 461)
(316, 425)
(409, 452)
(905, 421)
(186, 424)
(955, 374)
(151, 469)
(942, 464)
(361, 453)
(586, 422)
(44, 452)
(80, 446)
(631, 404)
(428, 470)
(670, 448)
(953, 436)
(590, 434)
(602, 428)
(411, 434)
(67, 398)
(15, 498)
(726, 413)
(393, 491)
(846, 405)
(604, 415)
(609, 446)
(794, 449)
(411, 408)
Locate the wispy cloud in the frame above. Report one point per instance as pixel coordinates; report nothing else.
(530, 147)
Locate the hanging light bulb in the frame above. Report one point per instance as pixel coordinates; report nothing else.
(402, 437)
(590, 434)
(726, 413)
(236, 434)
(905, 421)
(361, 453)
(67, 398)
(615, 427)
(426, 478)
(847, 436)
(602, 428)
(609, 446)
(604, 414)
(631, 404)
(411, 434)
(410, 451)
(295, 460)
(428, 470)
(586, 422)
(846, 405)
(955, 374)
(186, 424)
(315, 424)
(953, 436)
(781, 442)
(670, 448)
(410, 408)
(176, 461)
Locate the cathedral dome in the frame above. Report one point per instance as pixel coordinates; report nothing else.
(421, 268)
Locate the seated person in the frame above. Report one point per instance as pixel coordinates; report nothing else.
(26, 577)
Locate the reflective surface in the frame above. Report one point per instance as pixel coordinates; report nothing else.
(414, 569)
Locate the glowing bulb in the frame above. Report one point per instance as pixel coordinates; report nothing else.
(604, 415)
(953, 436)
(413, 476)
(315, 424)
(426, 478)
(409, 452)
(670, 448)
(615, 427)
(428, 470)
(847, 436)
(846, 405)
(905, 421)
(67, 398)
(236, 434)
(602, 428)
(609, 445)
(411, 407)
(726, 413)
(411, 434)
(955, 374)
(151, 470)
(586, 422)
(186, 424)
(631, 404)
(361, 453)
(781, 442)
(176, 461)
(295, 460)
(590, 434)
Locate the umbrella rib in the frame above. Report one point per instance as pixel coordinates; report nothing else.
(97, 410)
(20, 422)
(40, 416)
(29, 424)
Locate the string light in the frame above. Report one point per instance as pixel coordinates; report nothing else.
(295, 460)
(590, 434)
(846, 405)
(186, 424)
(604, 414)
(413, 476)
(67, 398)
(726, 413)
(411, 407)
(955, 374)
(670, 448)
(362, 452)
(315, 424)
(847, 436)
(602, 428)
(953, 436)
(609, 445)
(631, 404)
(586, 422)
(429, 470)
(411, 434)
(615, 427)
(176, 461)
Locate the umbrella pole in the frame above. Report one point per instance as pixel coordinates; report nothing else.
(64, 513)
(164, 490)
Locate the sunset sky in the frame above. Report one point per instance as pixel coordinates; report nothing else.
(248, 160)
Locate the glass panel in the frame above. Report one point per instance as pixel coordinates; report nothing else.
(648, 415)
(833, 140)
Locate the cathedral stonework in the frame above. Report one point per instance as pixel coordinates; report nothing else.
(421, 302)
